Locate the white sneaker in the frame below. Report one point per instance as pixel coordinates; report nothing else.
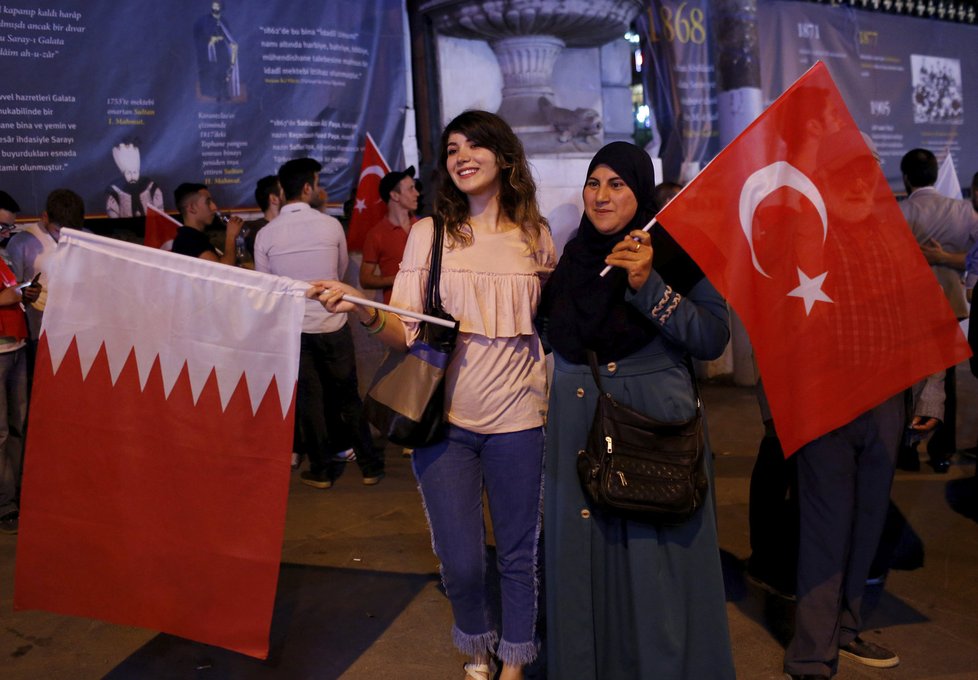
(347, 456)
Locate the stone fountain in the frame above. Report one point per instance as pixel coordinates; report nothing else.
(527, 37)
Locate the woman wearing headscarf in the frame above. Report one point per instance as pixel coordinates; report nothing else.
(627, 599)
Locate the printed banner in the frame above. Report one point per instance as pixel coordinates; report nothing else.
(906, 80)
(158, 453)
(679, 77)
(123, 101)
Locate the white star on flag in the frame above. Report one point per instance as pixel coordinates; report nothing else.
(361, 205)
(810, 290)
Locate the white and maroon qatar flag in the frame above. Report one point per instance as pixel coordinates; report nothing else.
(795, 225)
(157, 461)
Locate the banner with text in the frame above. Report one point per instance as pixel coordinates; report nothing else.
(122, 101)
(679, 77)
(903, 79)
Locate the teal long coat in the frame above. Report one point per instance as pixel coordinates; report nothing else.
(627, 600)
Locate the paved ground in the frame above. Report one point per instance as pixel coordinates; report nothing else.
(359, 595)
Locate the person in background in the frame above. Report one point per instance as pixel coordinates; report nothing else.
(268, 196)
(198, 210)
(13, 377)
(665, 192)
(8, 221)
(497, 251)
(946, 225)
(844, 477)
(29, 252)
(304, 244)
(383, 246)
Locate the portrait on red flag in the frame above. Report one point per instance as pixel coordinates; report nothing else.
(368, 207)
(795, 225)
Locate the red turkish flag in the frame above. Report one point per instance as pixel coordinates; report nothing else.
(368, 208)
(795, 225)
(157, 465)
(160, 230)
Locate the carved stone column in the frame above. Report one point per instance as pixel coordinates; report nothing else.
(527, 64)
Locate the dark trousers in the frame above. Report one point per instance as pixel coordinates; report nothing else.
(773, 517)
(943, 443)
(328, 406)
(844, 480)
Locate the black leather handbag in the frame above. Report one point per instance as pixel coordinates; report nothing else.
(406, 401)
(640, 468)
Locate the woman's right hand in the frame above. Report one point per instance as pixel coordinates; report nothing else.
(330, 295)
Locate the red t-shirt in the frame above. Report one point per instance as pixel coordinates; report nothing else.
(384, 245)
(12, 322)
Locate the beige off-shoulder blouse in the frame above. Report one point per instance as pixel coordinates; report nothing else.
(496, 381)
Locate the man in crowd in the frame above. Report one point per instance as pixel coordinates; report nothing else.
(8, 220)
(197, 210)
(13, 377)
(951, 225)
(844, 476)
(268, 196)
(30, 249)
(383, 247)
(304, 244)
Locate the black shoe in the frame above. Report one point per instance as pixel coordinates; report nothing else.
(9, 523)
(869, 654)
(318, 480)
(768, 581)
(373, 479)
(940, 464)
(791, 676)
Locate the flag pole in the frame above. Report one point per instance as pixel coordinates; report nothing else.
(604, 272)
(400, 312)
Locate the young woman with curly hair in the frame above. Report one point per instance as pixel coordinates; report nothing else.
(497, 251)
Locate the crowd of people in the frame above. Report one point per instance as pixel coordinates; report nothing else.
(626, 598)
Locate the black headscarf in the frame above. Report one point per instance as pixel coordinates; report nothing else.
(585, 311)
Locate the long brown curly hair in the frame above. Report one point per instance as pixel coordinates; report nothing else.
(518, 191)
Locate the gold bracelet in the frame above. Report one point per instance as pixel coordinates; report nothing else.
(373, 319)
(383, 322)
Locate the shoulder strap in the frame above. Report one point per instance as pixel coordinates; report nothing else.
(432, 299)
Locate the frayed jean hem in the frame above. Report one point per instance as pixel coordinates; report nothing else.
(517, 653)
(473, 645)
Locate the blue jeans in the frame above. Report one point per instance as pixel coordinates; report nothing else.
(451, 475)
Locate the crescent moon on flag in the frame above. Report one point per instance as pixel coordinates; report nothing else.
(764, 182)
(372, 170)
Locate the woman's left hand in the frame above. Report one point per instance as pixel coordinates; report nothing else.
(633, 254)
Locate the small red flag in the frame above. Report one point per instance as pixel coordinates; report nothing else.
(368, 209)
(160, 230)
(795, 225)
